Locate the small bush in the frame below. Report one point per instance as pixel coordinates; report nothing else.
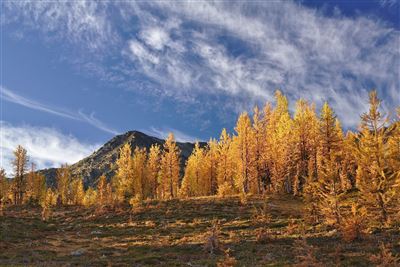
(227, 261)
(306, 254)
(212, 244)
(353, 225)
(385, 258)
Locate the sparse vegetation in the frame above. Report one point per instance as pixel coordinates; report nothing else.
(281, 191)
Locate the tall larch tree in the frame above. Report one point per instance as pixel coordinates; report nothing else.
(259, 128)
(376, 177)
(279, 135)
(267, 155)
(103, 197)
(305, 121)
(122, 181)
(210, 165)
(328, 165)
(36, 185)
(195, 181)
(77, 192)
(139, 161)
(225, 166)
(19, 163)
(170, 168)
(153, 171)
(63, 178)
(243, 145)
(3, 189)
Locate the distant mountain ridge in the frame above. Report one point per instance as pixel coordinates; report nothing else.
(103, 160)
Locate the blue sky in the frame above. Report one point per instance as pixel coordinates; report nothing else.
(75, 73)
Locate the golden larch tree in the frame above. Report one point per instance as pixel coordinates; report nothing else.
(225, 166)
(63, 178)
(139, 161)
(304, 124)
(123, 179)
(77, 192)
(170, 168)
(153, 171)
(278, 139)
(19, 164)
(243, 145)
(195, 181)
(376, 175)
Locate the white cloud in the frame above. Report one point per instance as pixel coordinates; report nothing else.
(81, 22)
(242, 50)
(163, 133)
(46, 147)
(13, 97)
(156, 37)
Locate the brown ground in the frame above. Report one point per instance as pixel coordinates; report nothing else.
(173, 233)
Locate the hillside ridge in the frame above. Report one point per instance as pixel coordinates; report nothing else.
(102, 161)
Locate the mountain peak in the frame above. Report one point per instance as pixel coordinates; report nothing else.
(102, 161)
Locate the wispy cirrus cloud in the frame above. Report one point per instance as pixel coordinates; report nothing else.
(15, 98)
(46, 147)
(164, 132)
(241, 51)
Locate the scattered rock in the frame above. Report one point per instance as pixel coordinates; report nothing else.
(95, 232)
(78, 252)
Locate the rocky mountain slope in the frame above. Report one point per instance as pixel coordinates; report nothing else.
(103, 160)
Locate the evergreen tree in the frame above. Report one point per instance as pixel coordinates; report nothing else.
(170, 169)
(304, 146)
(20, 167)
(3, 190)
(77, 192)
(36, 185)
(139, 172)
(376, 177)
(225, 165)
(153, 171)
(195, 181)
(259, 140)
(243, 145)
(279, 132)
(210, 165)
(124, 176)
(102, 190)
(63, 178)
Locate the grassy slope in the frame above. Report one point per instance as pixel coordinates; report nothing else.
(172, 233)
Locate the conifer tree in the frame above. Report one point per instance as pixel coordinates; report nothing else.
(376, 177)
(195, 182)
(266, 147)
(243, 145)
(49, 199)
(77, 192)
(20, 167)
(279, 132)
(303, 143)
(328, 165)
(63, 178)
(90, 197)
(36, 185)
(170, 168)
(210, 165)
(153, 171)
(259, 128)
(3, 190)
(139, 172)
(102, 191)
(124, 176)
(225, 165)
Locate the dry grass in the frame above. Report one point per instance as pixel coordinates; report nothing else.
(173, 233)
